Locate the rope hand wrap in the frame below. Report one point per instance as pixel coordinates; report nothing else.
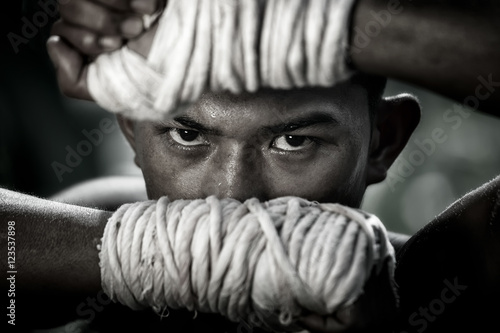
(275, 258)
(233, 45)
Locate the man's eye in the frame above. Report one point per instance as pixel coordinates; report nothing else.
(186, 137)
(292, 142)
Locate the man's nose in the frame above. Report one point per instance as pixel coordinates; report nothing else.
(236, 172)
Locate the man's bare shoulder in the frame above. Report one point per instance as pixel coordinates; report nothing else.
(454, 262)
(106, 193)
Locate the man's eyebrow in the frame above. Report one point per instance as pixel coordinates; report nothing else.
(293, 124)
(187, 121)
(288, 125)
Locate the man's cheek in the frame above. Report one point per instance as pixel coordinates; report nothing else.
(156, 177)
(332, 182)
(312, 184)
(179, 183)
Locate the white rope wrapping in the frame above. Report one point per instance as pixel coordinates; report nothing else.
(225, 45)
(278, 257)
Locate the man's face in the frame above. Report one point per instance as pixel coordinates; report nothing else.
(311, 143)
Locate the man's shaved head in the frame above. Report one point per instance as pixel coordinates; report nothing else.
(374, 86)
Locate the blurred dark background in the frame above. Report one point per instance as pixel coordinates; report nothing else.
(38, 125)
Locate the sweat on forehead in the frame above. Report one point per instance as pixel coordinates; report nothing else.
(273, 106)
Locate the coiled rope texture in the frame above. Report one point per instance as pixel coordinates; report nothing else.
(225, 45)
(279, 257)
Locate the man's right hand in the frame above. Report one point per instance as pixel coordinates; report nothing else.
(88, 28)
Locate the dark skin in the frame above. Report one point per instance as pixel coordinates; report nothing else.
(317, 144)
(354, 156)
(277, 144)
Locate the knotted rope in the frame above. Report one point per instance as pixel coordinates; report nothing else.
(280, 257)
(225, 45)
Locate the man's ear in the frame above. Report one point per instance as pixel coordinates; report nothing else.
(393, 125)
(127, 127)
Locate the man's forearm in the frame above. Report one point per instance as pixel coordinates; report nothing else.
(55, 257)
(56, 244)
(450, 47)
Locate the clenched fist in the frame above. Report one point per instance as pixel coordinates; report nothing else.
(88, 28)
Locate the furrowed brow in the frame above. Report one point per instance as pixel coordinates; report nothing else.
(193, 124)
(318, 118)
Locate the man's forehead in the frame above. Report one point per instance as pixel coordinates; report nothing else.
(269, 107)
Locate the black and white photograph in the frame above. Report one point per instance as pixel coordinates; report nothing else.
(246, 166)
